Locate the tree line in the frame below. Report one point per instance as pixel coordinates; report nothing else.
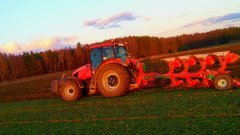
(146, 46)
(36, 63)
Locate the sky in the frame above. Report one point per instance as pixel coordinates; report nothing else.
(38, 25)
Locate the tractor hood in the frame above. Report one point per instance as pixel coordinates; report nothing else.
(83, 72)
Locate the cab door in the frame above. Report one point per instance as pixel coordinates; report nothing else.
(96, 57)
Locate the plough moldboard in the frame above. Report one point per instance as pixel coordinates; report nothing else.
(198, 70)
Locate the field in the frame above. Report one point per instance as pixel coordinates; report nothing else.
(29, 88)
(149, 111)
(27, 106)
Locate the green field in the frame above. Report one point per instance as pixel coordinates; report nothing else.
(150, 111)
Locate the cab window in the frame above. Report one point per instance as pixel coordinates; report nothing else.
(107, 52)
(96, 57)
(120, 52)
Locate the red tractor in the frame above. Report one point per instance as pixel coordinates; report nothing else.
(112, 73)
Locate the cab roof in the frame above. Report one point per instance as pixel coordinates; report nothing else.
(105, 45)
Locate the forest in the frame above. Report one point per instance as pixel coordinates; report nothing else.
(50, 61)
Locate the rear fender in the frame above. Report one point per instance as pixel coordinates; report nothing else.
(76, 80)
(83, 72)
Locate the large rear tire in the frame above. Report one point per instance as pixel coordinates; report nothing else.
(70, 91)
(223, 82)
(113, 80)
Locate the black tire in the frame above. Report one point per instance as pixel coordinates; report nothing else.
(113, 80)
(223, 82)
(70, 91)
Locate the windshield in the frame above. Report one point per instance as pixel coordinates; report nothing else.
(98, 55)
(120, 52)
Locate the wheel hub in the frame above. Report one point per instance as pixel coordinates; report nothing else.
(69, 91)
(112, 80)
(223, 83)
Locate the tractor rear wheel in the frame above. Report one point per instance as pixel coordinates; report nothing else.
(223, 82)
(70, 91)
(113, 80)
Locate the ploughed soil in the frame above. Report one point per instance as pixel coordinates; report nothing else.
(29, 88)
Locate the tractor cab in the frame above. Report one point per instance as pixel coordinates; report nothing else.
(101, 53)
(105, 52)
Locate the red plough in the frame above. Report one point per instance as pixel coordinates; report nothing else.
(204, 76)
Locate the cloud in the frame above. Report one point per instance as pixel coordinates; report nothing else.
(51, 43)
(111, 22)
(227, 17)
(177, 16)
(233, 17)
(39, 45)
(213, 23)
(11, 47)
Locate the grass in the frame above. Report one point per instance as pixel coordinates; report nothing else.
(151, 111)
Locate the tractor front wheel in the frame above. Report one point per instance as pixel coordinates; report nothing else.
(223, 82)
(113, 80)
(70, 91)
